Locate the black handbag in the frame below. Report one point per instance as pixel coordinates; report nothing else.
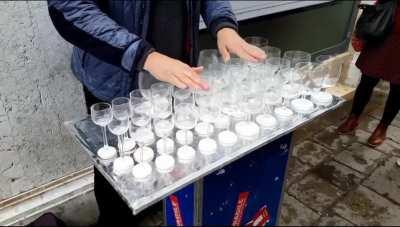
(376, 21)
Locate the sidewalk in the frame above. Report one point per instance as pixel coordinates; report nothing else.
(338, 180)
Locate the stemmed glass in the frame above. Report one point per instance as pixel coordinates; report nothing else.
(119, 126)
(141, 109)
(334, 71)
(185, 118)
(121, 109)
(296, 56)
(183, 96)
(318, 76)
(302, 105)
(161, 98)
(101, 114)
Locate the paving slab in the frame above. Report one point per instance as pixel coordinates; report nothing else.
(360, 157)
(338, 174)
(377, 114)
(365, 207)
(310, 152)
(294, 213)
(389, 147)
(315, 192)
(296, 170)
(332, 219)
(369, 124)
(386, 180)
(331, 140)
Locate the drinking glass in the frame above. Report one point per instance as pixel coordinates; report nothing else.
(161, 98)
(296, 56)
(119, 127)
(208, 57)
(185, 118)
(183, 96)
(121, 111)
(141, 109)
(334, 70)
(101, 114)
(257, 41)
(163, 128)
(272, 52)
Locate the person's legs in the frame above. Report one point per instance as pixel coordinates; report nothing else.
(392, 108)
(361, 98)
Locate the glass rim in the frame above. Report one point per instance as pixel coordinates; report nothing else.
(100, 104)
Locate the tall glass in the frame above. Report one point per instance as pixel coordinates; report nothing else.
(122, 110)
(334, 70)
(185, 119)
(161, 98)
(101, 114)
(141, 109)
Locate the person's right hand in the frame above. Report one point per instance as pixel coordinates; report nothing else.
(358, 44)
(174, 72)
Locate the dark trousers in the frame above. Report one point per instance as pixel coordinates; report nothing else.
(363, 95)
(113, 210)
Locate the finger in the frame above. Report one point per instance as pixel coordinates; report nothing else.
(198, 70)
(178, 83)
(242, 53)
(255, 52)
(196, 79)
(186, 80)
(224, 53)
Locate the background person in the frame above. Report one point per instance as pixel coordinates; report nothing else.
(377, 62)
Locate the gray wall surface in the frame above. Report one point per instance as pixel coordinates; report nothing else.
(37, 94)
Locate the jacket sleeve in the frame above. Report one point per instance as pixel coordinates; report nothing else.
(82, 23)
(218, 15)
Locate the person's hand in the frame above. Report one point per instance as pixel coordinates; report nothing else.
(174, 72)
(229, 41)
(358, 44)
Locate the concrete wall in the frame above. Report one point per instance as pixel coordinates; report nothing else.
(37, 94)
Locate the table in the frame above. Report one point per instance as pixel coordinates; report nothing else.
(244, 187)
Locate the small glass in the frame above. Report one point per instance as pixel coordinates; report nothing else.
(183, 96)
(208, 57)
(101, 114)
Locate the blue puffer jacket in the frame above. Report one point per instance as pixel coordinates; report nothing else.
(109, 38)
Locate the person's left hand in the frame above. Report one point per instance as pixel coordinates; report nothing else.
(229, 42)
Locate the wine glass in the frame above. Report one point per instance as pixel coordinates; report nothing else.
(334, 70)
(141, 109)
(318, 76)
(257, 41)
(183, 96)
(161, 98)
(207, 57)
(163, 127)
(122, 110)
(185, 119)
(296, 56)
(303, 106)
(101, 114)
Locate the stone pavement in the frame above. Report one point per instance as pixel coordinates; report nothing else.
(339, 180)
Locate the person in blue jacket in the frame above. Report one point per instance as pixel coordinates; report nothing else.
(115, 40)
